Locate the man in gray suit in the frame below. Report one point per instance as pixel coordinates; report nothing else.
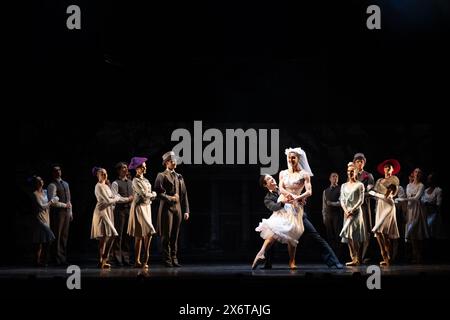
(60, 215)
(173, 207)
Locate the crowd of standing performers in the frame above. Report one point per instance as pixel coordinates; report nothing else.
(123, 213)
(414, 214)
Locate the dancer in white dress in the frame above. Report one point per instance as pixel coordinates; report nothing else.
(354, 230)
(103, 217)
(286, 224)
(385, 190)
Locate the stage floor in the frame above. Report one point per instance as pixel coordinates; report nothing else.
(213, 271)
(215, 282)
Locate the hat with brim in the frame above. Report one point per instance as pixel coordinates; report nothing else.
(95, 170)
(136, 162)
(169, 156)
(359, 156)
(394, 163)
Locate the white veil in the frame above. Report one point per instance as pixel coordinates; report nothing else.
(303, 160)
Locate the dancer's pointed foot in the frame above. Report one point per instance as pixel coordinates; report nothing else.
(292, 266)
(385, 263)
(260, 258)
(353, 263)
(105, 264)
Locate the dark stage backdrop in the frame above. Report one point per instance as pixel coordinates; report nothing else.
(135, 72)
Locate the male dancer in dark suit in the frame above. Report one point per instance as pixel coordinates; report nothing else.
(122, 186)
(368, 181)
(332, 213)
(271, 203)
(173, 207)
(60, 215)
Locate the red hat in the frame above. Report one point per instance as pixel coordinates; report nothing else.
(395, 164)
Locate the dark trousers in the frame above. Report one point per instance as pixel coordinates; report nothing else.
(170, 223)
(333, 225)
(270, 254)
(60, 222)
(121, 248)
(326, 252)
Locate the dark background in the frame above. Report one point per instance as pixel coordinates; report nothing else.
(135, 72)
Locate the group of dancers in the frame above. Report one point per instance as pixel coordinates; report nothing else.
(347, 210)
(123, 210)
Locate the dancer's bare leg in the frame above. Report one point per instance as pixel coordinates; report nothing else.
(387, 249)
(354, 253)
(358, 251)
(382, 245)
(101, 250)
(351, 251)
(102, 253)
(292, 249)
(147, 241)
(137, 252)
(39, 255)
(260, 255)
(109, 243)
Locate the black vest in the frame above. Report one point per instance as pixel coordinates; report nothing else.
(125, 190)
(61, 193)
(332, 194)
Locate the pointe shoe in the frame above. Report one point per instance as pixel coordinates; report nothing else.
(105, 265)
(293, 267)
(353, 263)
(137, 264)
(145, 266)
(258, 259)
(385, 263)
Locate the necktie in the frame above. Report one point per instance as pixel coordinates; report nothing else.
(64, 189)
(176, 182)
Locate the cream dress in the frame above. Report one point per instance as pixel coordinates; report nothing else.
(385, 218)
(140, 220)
(103, 220)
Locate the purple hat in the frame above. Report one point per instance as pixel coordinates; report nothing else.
(94, 171)
(136, 162)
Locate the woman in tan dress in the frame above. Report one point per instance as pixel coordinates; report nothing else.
(385, 190)
(103, 218)
(140, 224)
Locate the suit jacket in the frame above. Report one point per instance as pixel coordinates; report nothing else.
(270, 201)
(165, 187)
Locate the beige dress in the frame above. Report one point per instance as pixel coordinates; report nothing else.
(140, 220)
(103, 220)
(385, 218)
